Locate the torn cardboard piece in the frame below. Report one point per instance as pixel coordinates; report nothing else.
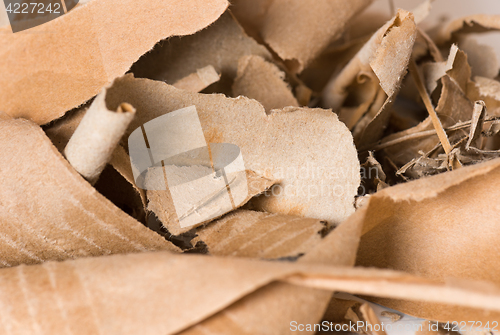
(199, 80)
(251, 15)
(49, 212)
(55, 79)
(245, 233)
(381, 63)
(286, 302)
(162, 202)
(477, 23)
(298, 31)
(321, 184)
(220, 45)
(453, 107)
(82, 289)
(92, 144)
(429, 228)
(379, 54)
(264, 82)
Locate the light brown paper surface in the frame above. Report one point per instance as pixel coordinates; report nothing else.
(159, 290)
(264, 82)
(49, 212)
(161, 203)
(245, 233)
(55, 78)
(272, 145)
(299, 30)
(270, 309)
(438, 227)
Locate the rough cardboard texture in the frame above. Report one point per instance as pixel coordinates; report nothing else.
(381, 63)
(221, 45)
(55, 78)
(272, 145)
(49, 212)
(299, 30)
(158, 290)
(161, 203)
(264, 82)
(199, 80)
(430, 228)
(245, 233)
(251, 314)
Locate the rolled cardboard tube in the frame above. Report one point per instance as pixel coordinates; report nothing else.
(92, 145)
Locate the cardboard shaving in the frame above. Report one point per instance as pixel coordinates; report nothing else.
(80, 222)
(299, 30)
(251, 314)
(264, 82)
(203, 148)
(61, 130)
(56, 79)
(386, 55)
(271, 145)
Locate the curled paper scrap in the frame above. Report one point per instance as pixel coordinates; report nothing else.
(54, 78)
(204, 181)
(92, 144)
(49, 212)
(373, 77)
